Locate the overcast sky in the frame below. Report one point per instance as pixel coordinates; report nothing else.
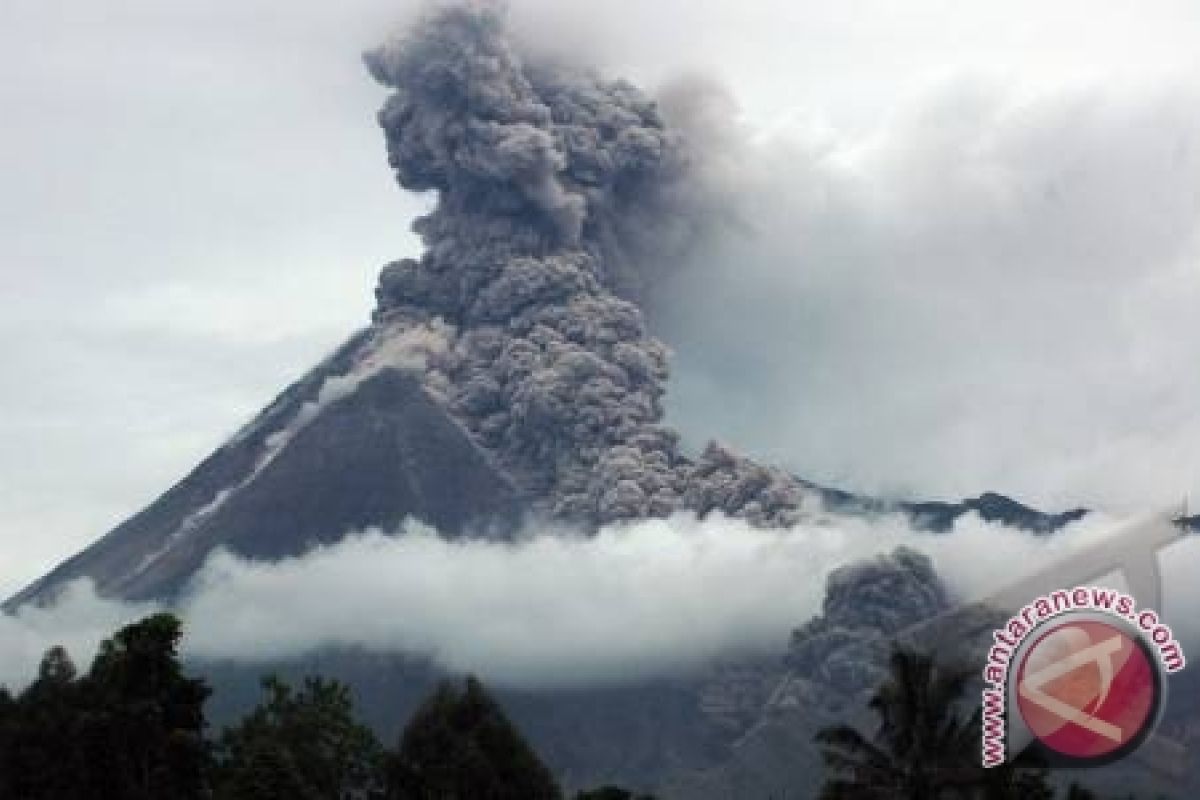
(972, 262)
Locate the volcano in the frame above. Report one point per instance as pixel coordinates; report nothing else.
(507, 375)
(507, 378)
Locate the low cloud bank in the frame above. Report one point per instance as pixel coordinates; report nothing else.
(651, 598)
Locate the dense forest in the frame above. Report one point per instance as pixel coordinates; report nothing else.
(133, 728)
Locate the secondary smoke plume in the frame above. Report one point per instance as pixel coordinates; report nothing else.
(558, 194)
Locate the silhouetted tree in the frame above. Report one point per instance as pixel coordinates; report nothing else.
(924, 748)
(56, 667)
(460, 746)
(144, 721)
(300, 745)
(36, 750)
(131, 729)
(264, 770)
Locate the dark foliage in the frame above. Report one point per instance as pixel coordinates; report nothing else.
(298, 745)
(131, 729)
(612, 793)
(924, 747)
(460, 746)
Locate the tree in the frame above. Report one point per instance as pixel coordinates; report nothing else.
(36, 730)
(460, 746)
(264, 770)
(143, 721)
(924, 749)
(131, 729)
(299, 745)
(56, 667)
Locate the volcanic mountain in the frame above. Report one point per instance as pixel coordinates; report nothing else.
(508, 377)
(507, 374)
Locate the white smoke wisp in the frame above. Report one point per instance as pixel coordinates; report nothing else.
(654, 598)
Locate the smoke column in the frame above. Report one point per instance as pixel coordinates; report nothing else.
(556, 192)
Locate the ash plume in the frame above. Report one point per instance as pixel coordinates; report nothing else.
(559, 197)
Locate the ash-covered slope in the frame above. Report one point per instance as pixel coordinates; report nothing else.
(508, 372)
(358, 442)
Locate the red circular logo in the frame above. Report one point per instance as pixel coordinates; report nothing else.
(1088, 690)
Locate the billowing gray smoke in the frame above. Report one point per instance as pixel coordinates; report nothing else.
(555, 189)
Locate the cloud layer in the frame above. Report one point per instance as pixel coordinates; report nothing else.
(552, 609)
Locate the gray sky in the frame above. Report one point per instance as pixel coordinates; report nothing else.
(195, 202)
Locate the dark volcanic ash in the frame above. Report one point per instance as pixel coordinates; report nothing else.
(556, 191)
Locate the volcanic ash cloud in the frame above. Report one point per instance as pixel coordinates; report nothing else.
(560, 195)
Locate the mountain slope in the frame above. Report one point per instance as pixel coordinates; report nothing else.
(356, 443)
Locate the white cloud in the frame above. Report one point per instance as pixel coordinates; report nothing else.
(79, 621)
(651, 598)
